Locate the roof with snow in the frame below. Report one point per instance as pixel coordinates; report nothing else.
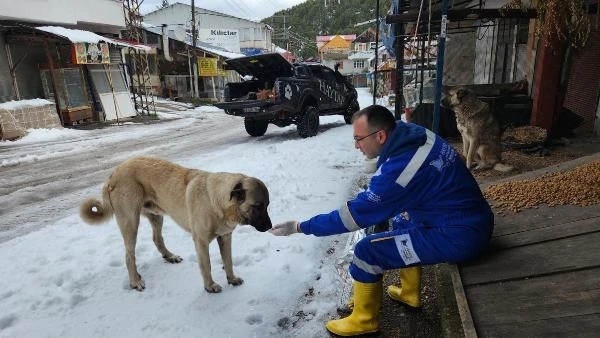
(78, 35)
(25, 103)
(362, 55)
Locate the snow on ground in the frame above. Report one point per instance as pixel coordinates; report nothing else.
(69, 279)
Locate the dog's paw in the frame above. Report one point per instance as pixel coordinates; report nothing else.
(138, 284)
(213, 288)
(173, 258)
(235, 281)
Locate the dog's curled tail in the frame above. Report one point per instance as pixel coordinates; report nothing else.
(503, 167)
(92, 211)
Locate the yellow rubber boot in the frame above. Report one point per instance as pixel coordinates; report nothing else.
(410, 291)
(363, 319)
(347, 308)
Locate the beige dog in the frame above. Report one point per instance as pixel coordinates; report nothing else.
(479, 129)
(208, 205)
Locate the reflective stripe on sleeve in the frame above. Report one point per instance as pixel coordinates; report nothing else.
(347, 219)
(417, 160)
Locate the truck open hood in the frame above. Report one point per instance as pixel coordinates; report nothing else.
(262, 66)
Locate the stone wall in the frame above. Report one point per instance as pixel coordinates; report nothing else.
(18, 116)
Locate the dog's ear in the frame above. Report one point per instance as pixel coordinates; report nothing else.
(238, 192)
(461, 92)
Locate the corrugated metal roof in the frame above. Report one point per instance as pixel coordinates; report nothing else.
(78, 35)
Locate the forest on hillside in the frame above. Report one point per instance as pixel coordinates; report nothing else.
(296, 28)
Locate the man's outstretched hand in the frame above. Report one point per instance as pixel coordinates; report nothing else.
(285, 229)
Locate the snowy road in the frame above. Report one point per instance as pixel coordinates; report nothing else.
(40, 181)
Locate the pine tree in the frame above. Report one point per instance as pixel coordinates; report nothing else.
(316, 17)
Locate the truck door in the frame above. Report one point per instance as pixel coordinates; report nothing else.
(332, 89)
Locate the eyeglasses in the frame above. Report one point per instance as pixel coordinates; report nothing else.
(359, 138)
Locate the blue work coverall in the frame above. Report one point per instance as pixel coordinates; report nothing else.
(437, 209)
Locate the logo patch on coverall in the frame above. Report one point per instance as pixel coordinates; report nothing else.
(373, 197)
(406, 250)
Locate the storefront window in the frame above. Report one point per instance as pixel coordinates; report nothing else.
(69, 84)
(107, 79)
(74, 86)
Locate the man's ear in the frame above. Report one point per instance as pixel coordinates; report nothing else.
(238, 192)
(382, 137)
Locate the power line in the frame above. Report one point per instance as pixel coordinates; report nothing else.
(239, 8)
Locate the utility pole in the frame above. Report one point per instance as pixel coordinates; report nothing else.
(376, 53)
(439, 73)
(285, 35)
(194, 60)
(399, 46)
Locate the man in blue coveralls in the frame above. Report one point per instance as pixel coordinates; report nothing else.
(437, 210)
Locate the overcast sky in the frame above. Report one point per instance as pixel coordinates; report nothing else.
(245, 9)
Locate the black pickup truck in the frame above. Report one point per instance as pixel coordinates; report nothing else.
(282, 93)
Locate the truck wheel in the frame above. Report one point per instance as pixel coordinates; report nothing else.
(308, 125)
(255, 127)
(353, 107)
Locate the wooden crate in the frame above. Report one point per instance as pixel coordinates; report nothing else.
(76, 114)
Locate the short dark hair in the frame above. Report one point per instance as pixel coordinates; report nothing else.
(378, 117)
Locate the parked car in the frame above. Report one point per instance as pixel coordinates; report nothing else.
(282, 93)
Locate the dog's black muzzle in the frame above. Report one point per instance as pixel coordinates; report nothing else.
(445, 102)
(262, 223)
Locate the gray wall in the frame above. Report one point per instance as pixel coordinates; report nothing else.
(6, 87)
(251, 34)
(28, 74)
(501, 53)
(505, 52)
(459, 59)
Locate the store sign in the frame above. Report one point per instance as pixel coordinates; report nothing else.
(209, 67)
(90, 53)
(228, 39)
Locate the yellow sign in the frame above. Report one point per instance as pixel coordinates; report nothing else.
(209, 67)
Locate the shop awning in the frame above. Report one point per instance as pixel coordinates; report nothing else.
(78, 35)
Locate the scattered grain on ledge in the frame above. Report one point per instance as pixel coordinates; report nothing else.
(578, 186)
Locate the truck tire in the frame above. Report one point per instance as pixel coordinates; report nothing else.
(254, 127)
(353, 107)
(308, 125)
